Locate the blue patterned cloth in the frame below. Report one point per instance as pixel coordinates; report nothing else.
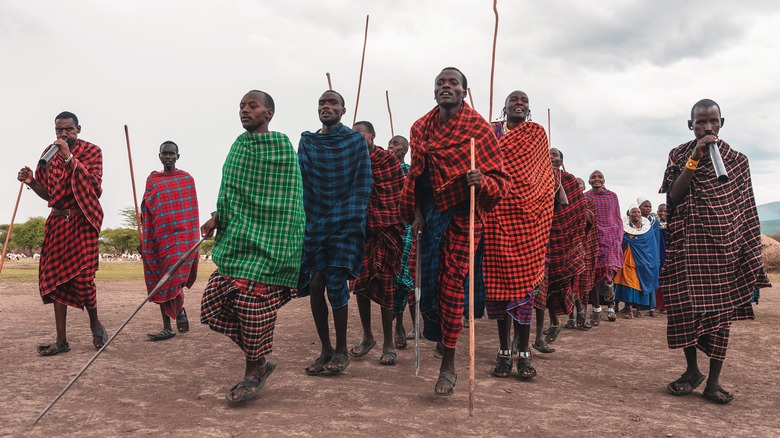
(336, 172)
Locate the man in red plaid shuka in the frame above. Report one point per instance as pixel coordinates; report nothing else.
(435, 199)
(383, 249)
(565, 257)
(170, 228)
(516, 233)
(713, 251)
(70, 182)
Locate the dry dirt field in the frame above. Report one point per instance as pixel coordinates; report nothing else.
(606, 382)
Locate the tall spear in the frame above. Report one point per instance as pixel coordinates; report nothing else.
(154, 291)
(11, 227)
(360, 78)
(549, 129)
(387, 98)
(472, 195)
(330, 85)
(132, 181)
(471, 99)
(493, 61)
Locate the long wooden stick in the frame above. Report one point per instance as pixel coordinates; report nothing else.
(11, 227)
(549, 132)
(132, 181)
(471, 99)
(493, 61)
(330, 85)
(387, 97)
(154, 291)
(472, 195)
(417, 295)
(360, 78)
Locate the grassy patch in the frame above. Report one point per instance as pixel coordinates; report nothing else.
(27, 271)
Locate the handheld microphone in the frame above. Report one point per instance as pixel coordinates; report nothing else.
(717, 163)
(51, 153)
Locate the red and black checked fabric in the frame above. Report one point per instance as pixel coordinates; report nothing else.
(566, 256)
(709, 332)
(243, 310)
(70, 244)
(444, 150)
(381, 263)
(169, 211)
(560, 296)
(517, 230)
(387, 183)
(585, 280)
(610, 231)
(79, 291)
(713, 251)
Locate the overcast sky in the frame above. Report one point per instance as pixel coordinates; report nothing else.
(619, 78)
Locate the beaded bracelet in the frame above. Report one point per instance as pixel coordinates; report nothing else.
(692, 164)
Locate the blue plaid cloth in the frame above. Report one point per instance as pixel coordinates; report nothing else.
(336, 172)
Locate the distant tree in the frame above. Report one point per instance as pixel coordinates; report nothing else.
(27, 236)
(119, 240)
(129, 218)
(3, 233)
(205, 247)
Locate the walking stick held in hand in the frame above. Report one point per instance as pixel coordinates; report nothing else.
(360, 78)
(493, 61)
(11, 227)
(472, 196)
(387, 98)
(132, 181)
(330, 85)
(154, 291)
(417, 293)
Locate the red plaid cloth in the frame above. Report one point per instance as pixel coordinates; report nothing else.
(566, 256)
(443, 149)
(381, 263)
(517, 230)
(388, 181)
(585, 280)
(70, 244)
(713, 251)
(709, 332)
(610, 233)
(243, 310)
(169, 211)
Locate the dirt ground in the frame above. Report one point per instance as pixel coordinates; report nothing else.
(606, 382)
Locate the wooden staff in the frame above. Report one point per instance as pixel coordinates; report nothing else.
(417, 295)
(330, 86)
(472, 195)
(471, 99)
(387, 98)
(549, 132)
(132, 181)
(360, 78)
(154, 291)
(493, 61)
(11, 227)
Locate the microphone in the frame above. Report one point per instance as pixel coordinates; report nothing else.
(717, 163)
(51, 153)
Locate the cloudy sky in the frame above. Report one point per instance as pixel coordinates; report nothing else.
(619, 79)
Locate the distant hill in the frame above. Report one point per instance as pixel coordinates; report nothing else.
(771, 228)
(769, 212)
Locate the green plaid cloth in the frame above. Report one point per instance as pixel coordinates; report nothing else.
(260, 208)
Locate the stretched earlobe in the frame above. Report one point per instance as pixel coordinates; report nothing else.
(690, 125)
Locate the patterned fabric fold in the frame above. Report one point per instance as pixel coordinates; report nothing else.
(169, 211)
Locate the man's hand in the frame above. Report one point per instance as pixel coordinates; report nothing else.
(474, 178)
(419, 222)
(25, 175)
(64, 148)
(701, 148)
(207, 230)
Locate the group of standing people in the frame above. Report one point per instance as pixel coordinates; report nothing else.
(340, 215)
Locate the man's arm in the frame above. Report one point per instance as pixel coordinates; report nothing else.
(25, 175)
(682, 183)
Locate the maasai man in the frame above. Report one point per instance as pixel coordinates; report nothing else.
(610, 230)
(663, 235)
(404, 284)
(436, 200)
(169, 211)
(70, 183)
(713, 257)
(384, 247)
(260, 224)
(584, 281)
(516, 233)
(637, 279)
(565, 256)
(336, 171)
